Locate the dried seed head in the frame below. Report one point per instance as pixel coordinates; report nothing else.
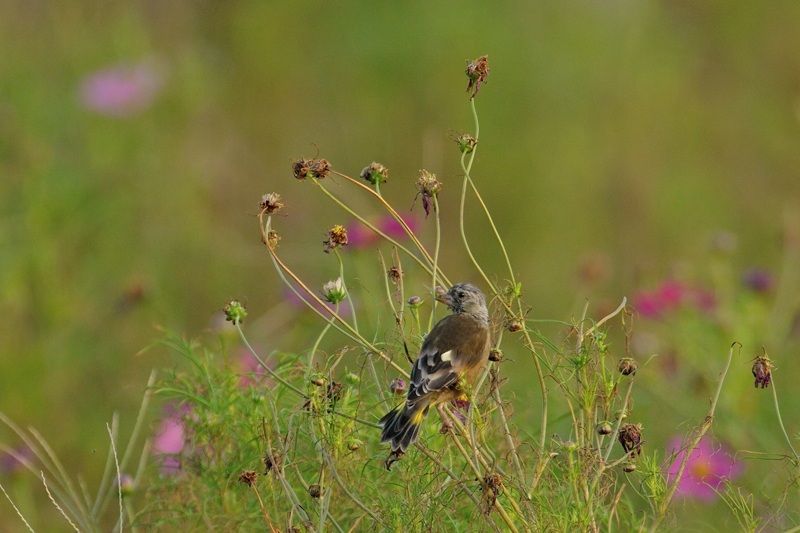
(395, 274)
(515, 326)
(477, 71)
(301, 167)
(270, 203)
(627, 366)
(496, 355)
(604, 428)
(630, 437)
(321, 169)
(762, 370)
(466, 143)
(375, 173)
(248, 477)
(272, 461)
(234, 312)
(629, 467)
(398, 386)
(427, 186)
(334, 291)
(315, 491)
(492, 485)
(337, 237)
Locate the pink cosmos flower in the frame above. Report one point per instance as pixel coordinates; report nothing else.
(122, 90)
(253, 374)
(170, 439)
(671, 295)
(361, 236)
(706, 469)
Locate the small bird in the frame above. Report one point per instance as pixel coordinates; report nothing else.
(453, 354)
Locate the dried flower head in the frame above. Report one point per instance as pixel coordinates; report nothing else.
(270, 203)
(315, 491)
(248, 477)
(337, 237)
(398, 386)
(762, 370)
(477, 71)
(321, 169)
(428, 186)
(466, 143)
(300, 168)
(515, 326)
(395, 274)
(627, 366)
(311, 168)
(496, 355)
(272, 461)
(375, 173)
(630, 436)
(234, 311)
(492, 485)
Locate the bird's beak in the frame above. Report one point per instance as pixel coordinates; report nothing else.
(444, 298)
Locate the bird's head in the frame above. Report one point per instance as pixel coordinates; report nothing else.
(465, 298)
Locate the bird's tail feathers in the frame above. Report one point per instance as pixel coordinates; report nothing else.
(401, 425)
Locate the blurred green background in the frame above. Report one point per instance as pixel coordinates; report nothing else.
(617, 140)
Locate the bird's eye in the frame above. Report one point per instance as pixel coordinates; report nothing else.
(461, 294)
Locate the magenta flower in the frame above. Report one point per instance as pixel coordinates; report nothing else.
(360, 236)
(170, 439)
(122, 90)
(706, 469)
(671, 295)
(14, 460)
(253, 374)
(758, 280)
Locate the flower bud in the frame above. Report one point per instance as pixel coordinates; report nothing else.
(334, 291)
(234, 312)
(466, 143)
(375, 173)
(570, 446)
(515, 326)
(604, 428)
(414, 301)
(627, 366)
(496, 355)
(629, 467)
(272, 239)
(352, 378)
(398, 387)
(318, 381)
(126, 485)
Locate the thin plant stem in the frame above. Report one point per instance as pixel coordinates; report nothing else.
(372, 227)
(780, 419)
(16, 509)
(346, 290)
(704, 427)
(353, 333)
(398, 218)
(435, 259)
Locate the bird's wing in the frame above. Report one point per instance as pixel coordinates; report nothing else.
(455, 343)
